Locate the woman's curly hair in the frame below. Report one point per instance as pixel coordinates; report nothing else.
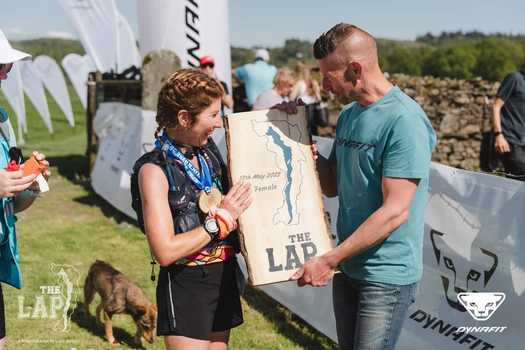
(186, 89)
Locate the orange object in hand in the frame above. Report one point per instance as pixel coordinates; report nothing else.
(32, 166)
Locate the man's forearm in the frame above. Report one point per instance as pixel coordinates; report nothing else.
(327, 176)
(371, 232)
(496, 116)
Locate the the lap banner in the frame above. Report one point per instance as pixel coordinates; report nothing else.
(474, 242)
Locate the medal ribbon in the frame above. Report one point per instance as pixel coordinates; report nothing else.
(203, 179)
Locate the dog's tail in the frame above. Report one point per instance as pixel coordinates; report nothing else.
(89, 288)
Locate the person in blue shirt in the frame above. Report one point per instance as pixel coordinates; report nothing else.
(256, 76)
(380, 158)
(17, 192)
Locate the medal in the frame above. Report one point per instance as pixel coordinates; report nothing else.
(209, 197)
(210, 200)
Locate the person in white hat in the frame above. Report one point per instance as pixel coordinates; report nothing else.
(17, 192)
(256, 76)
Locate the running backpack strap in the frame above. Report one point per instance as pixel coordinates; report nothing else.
(220, 171)
(171, 180)
(154, 157)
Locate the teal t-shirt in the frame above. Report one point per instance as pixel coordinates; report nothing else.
(257, 78)
(394, 138)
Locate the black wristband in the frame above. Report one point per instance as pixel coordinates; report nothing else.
(497, 133)
(211, 227)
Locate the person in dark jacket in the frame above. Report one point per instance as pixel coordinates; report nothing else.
(508, 122)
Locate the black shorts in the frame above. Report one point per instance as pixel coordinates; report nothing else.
(2, 314)
(193, 301)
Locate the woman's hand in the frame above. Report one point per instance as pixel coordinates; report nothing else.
(238, 199)
(13, 182)
(41, 158)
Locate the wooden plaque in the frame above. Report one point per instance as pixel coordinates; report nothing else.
(285, 225)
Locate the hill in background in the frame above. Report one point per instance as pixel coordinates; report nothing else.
(53, 47)
(449, 54)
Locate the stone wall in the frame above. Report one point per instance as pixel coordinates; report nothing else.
(459, 111)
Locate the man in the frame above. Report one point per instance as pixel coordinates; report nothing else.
(381, 157)
(283, 83)
(17, 192)
(256, 76)
(207, 64)
(508, 122)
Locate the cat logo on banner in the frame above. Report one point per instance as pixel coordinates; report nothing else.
(481, 305)
(449, 267)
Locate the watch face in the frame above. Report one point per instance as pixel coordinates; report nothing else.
(211, 226)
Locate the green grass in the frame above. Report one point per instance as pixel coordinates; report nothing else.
(71, 225)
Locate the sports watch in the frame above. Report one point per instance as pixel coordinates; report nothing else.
(211, 226)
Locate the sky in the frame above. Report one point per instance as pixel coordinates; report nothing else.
(269, 22)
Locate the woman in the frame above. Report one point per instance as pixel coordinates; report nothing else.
(307, 89)
(17, 192)
(187, 219)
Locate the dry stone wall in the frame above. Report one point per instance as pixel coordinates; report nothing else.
(460, 110)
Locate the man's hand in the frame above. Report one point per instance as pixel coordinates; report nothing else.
(315, 152)
(501, 144)
(289, 107)
(316, 272)
(13, 182)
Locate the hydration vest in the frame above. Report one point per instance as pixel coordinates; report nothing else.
(183, 194)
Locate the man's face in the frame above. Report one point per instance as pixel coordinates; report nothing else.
(333, 71)
(208, 69)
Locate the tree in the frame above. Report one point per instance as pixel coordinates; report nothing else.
(454, 62)
(402, 60)
(497, 57)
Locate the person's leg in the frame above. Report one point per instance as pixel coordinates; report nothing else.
(176, 342)
(345, 310)
(219, 340)
(514, 162)
(3, 338)
(381, 312)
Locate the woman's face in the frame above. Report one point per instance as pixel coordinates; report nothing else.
(4, 69)
(205, 123)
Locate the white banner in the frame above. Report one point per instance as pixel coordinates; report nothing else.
(127, 46)
(14, 94)
(125, 132)
(474, 241)
(77, 70)
(53, 79)
(190, 28)
(34, 89)
(96, 24)
(153, 19)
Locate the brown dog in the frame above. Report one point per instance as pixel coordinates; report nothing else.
(119, 295)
